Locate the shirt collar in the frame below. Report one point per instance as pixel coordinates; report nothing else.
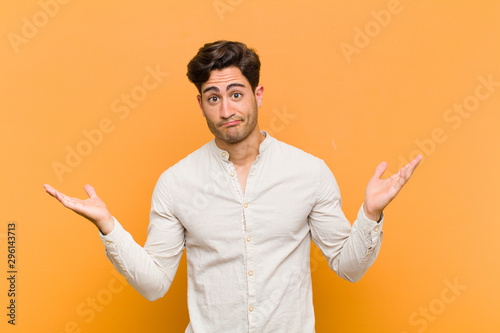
(268, 140)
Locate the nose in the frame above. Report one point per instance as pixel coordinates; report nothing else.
(226, 110)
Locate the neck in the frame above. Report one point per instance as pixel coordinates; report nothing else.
(243, 152)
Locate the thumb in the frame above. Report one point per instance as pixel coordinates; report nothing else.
(379, 171)
(90, 190)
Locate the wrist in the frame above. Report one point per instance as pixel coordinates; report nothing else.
(106, 226)
(371, 214)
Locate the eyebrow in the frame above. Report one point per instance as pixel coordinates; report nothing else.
(227, 88)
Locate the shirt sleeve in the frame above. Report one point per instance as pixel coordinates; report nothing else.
(350, 251)
(149, 269)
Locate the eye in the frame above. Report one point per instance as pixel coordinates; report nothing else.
(213, 99)
(237, 95)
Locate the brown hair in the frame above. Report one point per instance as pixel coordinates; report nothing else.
(222, 54)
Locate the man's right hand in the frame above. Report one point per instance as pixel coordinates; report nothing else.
(93, 209)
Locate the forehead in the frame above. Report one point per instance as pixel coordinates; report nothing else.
(222, 78)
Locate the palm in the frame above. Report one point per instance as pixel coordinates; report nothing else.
(93, 208)
(380, 192)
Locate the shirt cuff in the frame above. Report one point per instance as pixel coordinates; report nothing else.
(115, 237)
(369, 226)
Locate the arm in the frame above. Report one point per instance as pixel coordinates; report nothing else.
(351, 251)
(150, 270)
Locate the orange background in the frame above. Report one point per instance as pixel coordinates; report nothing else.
(379, 101)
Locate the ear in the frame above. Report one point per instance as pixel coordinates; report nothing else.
(259, 94)
(198, 97)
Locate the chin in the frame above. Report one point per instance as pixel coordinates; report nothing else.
(232, 138)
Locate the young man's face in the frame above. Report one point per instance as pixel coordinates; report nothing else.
(229, 105)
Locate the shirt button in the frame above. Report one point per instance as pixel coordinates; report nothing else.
(108, 242)
(250, 273)
(376, 229)
(250, 308)
(224, 154)
(245, 205)
(232, 173)
(249, 239)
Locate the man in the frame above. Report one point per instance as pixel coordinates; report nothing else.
(245, 206)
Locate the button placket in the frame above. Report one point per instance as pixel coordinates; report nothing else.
(250, 242)
(250, 264)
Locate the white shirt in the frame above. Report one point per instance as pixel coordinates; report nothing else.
(247, 253)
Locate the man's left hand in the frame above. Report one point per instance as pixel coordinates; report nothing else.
(379, 192)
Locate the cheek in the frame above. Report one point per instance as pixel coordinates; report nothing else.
(244, 107)
(212, 116)
(208, 109)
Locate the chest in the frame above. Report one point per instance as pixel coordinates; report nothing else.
(224, 206)
(242, 174)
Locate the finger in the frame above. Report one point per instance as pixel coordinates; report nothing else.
(410, 167)
(65, 200)
(90, 190)
(404, 175)
(379, 171)
(417, 159)
(415, 163)
(394, 176)
(49, 189)
(400, 182)
(55, 193)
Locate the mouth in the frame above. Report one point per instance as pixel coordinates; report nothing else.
(231, 123)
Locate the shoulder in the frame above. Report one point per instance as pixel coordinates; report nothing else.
(189, 165)
(294, 155)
